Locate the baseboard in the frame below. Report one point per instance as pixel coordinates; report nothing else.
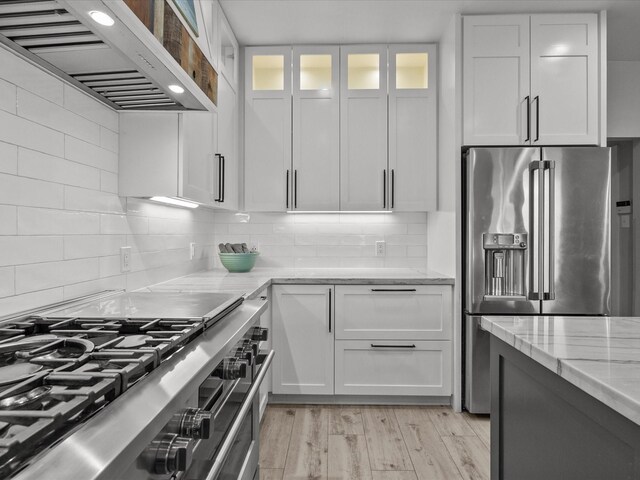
(358, 400)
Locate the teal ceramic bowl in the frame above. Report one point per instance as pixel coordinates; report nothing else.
(238, 262)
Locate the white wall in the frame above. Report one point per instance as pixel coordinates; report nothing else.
(61, 221)
(307, 240)
(623, 109)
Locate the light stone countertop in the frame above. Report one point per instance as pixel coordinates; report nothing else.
(599, 355)
(254, 282)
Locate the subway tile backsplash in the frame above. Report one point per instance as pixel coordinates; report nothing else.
(61, 221)
(332, 240)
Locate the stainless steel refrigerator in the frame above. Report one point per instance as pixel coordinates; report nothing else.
(536, 234)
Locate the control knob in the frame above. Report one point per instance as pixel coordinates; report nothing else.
(192, 423)
(244, 351)
(171, 454)
(231, 369)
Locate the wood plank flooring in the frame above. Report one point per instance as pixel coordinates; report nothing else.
(322, 442)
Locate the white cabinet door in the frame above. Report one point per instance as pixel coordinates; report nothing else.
(302, 339)
(366, 367)
(196, 136)
(316, 128)
(363, 127)
(420, 312)
(267, 129)
(229, 50)
(564, 79)
(496, 80)
(149, 149)
(227, 164)
(413, 173)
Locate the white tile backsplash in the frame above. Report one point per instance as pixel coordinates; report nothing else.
(61, 221)
(328, 240)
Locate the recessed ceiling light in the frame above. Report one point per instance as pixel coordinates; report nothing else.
(178, 202)
(102, 18)
(176, 88)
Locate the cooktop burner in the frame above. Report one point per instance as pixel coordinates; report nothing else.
(59, 368)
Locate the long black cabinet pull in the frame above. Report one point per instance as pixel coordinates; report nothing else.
(393, 188)
(223, 177)
(527, 99)
(295, 189)
(384, 188)
(373, 345)
(329, 310)
(220, 181)
(287, 189)
(393, 290)
(537, 100)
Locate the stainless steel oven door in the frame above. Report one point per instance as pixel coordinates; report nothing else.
(232, 452)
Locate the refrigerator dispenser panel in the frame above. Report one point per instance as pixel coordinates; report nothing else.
(504, 267)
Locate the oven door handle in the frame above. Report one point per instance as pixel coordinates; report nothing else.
(247, 403)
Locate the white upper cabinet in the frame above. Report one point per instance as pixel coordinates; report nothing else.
(167, 154)
(363, 127)
(496, 80)
(268, 175)
(412, 128)
(227, 164)
(228, 51)
(316, 128)
(531, 79)
(564, 79)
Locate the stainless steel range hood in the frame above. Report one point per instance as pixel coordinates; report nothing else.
(123, 65)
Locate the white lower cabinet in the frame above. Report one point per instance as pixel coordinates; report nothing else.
(303, 339)
(362, 340)
(419, 312)
(376, 367)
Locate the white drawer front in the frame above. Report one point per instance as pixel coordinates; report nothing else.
(421, 312)
(393, 369)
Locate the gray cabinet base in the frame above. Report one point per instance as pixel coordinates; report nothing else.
(543, 427)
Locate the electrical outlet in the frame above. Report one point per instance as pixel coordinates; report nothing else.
(381, 248)
(192, 250)
(125, 259)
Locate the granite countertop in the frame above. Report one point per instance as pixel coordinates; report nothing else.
(600, 355)
(254, 282)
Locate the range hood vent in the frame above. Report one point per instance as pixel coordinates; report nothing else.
(48, 34)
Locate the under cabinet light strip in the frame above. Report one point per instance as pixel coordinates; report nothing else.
(339, 211)
(178, 202)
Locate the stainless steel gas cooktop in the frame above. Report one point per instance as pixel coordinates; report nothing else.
(60, 366)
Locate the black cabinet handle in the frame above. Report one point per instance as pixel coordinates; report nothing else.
(373, 345)
(220, 168)
(527, 99)
(287, 189)
(295, 189)
(223, 177)
(537, 100)
(384, 188)
(329, 310)
(393, 188)
(393, 290)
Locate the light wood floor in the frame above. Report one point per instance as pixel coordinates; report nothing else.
(373, 443)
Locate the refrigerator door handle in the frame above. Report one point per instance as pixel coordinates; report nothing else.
(536, 229)
(551, 167)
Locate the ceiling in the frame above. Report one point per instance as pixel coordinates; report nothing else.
(277, 22)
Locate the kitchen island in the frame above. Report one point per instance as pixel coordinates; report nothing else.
(565, 397)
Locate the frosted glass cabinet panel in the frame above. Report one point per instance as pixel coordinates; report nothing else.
(363, 71)
(412, 70)
(315, 72)
(268, 72)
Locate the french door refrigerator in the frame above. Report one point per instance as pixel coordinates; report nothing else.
(536, 233)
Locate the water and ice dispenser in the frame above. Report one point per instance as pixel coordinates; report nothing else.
(504, 265)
